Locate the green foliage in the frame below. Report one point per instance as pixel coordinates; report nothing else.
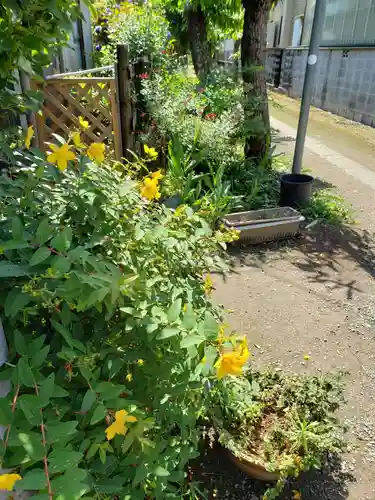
(178, 106)
(142, 28)
(30, 33)
(283, 423)
(329, 207)
(224, 18)
(104, 310)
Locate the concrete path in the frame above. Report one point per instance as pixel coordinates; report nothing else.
(316, 295)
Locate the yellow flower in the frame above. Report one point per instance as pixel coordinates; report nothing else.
(157, 175)
(140, 362)
(221, 338)
(96, 151)
(7, 481)
(231, 363)
(296, 495)
(60, 156)
(118, 426)
(208, 285)
(77, 140)
(150, 152)
(29, 136)
(150, 189)
(83, 123)
(129, 377)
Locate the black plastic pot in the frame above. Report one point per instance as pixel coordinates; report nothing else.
(295, 190)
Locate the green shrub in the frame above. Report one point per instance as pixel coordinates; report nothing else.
(142, 28)
(178, 108)
(329, 207)
(107, 320)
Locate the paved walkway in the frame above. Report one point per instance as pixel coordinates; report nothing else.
(316, 295)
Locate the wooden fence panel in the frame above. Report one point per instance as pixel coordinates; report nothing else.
(68, 99)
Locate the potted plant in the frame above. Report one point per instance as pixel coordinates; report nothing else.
(276, 426)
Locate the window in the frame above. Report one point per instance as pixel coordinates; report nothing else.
(349, 22)
(297, 31)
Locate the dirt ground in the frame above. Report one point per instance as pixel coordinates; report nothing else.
(314, 295)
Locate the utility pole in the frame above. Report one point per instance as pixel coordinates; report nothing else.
(308, 85)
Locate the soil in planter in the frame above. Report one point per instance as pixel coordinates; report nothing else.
(220, 479)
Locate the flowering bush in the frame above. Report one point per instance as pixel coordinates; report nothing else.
(141, 27)
(107, 320)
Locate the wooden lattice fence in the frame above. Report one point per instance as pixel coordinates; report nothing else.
(108, 104)
(66, 100)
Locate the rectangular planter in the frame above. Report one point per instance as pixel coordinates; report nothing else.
(258, 226)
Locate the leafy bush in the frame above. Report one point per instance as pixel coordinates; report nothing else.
(178, 108)
(329, 207)
(142, 28)
(286, 424)
(107, 319)
(30, 33)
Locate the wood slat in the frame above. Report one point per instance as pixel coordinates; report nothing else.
(74, 81)
(56, 120)
(84, 111)
(94, 104)
(65, 100)
(71, 117)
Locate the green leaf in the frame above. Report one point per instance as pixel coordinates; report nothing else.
(60, 460)
(6, 414)
(17, 228)
(39, 256)
(30, 406)
(174, 311)
(39, 357)
(20, 343)
(88, 400)
(168, 332)
(99, 414)
(70, 486)
(15, 302)
(8, 270)
(128, 441)
(190, 340)
(160, 471)
(33, 445)
(32, 480)
(60, 264)
(25, 374)
(189, 319)
(62, 241)
(112, 485)
(61, 430)
(44, 232)
(211, 327)
(109, 390)
(68, 336)
(92, 450)
(46, 389)
(102, 455)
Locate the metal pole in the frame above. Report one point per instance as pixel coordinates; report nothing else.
(308, 85)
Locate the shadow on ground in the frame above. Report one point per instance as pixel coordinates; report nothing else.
(326, 254)
(221, 479)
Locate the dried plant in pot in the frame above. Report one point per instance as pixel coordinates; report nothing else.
(276, 426)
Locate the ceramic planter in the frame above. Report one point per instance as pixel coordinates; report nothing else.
(253, 469)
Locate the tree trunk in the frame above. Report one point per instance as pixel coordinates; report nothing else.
(253, 73)
(199, 45)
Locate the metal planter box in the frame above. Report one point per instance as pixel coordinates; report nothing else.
(258, 226)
